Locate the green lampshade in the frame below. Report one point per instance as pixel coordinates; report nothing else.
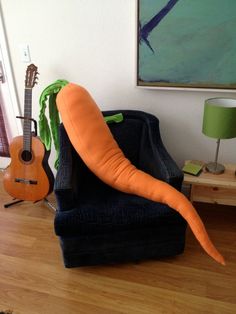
(219, 120)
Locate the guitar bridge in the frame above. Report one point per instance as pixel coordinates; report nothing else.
(25, 181)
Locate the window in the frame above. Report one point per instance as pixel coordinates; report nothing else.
(4, 145)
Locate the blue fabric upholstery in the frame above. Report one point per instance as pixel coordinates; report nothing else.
(97, 224)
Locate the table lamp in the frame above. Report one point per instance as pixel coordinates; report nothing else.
(219, 121)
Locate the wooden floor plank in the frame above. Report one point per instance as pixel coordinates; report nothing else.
(108, 293)
(178, 278)
(25, 225)
(28, 301)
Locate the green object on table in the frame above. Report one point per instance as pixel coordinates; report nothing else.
(191, 168)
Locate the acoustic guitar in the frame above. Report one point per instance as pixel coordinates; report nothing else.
(28, 177)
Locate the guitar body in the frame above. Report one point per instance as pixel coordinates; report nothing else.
(28, 177)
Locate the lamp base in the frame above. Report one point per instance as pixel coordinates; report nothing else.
(215, 168)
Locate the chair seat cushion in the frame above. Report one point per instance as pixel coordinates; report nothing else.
(117, 211)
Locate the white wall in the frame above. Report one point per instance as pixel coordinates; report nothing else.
(93, 43)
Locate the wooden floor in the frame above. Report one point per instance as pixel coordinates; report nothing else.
(34, 280)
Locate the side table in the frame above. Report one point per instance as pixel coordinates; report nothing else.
(213, 188)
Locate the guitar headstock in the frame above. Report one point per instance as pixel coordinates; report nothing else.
(31, 76)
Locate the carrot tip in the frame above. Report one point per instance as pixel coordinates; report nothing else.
(221, 260)
(223, 263)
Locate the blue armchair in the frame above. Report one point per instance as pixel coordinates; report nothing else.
(97, 224)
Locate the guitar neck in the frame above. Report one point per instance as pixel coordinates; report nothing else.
(27, 135)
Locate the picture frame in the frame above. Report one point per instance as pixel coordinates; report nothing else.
(186, 44)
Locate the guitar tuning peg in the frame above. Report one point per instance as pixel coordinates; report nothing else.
(37, 73)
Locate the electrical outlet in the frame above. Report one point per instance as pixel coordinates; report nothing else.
(25, 53)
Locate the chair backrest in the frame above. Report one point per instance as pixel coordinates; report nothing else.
(129, 135)
(139, 138)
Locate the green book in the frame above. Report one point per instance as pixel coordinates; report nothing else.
(193, 169)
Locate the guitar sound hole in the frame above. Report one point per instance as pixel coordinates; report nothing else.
(26, 155)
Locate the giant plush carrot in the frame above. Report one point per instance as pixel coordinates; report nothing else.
(95, 144)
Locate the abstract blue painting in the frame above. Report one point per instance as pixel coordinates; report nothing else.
(187, 43)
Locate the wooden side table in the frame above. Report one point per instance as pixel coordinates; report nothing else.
(212, 188)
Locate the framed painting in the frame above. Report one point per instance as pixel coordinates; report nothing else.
(187, 44)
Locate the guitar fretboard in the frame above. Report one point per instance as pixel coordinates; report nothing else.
(27, 123)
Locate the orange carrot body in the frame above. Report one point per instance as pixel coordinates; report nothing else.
(95, 144)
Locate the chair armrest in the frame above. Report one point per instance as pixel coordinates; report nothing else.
(63, 187)
(170, 172)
